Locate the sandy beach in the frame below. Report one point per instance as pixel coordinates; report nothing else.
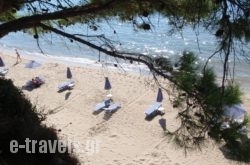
(126, 138)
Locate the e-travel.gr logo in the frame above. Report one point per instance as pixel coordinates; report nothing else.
(52, 146)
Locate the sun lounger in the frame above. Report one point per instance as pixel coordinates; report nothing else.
(104, 104)
(3, 71)
(66, 85)
(113, 107)
(154, 108)
(108, 105)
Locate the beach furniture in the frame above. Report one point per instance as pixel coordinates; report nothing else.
(107, 84)
(156, 108)
(32, 64)
(153, 108)
(235, 113)
(69, 73)
(1, 63)
(69, 84)
(3, 71)
(34, 83)
(100, 106)
(112, 107)
(107, 104)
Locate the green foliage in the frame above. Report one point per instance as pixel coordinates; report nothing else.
(232, 95)
(187, 62)
(239, 151)
(207, 87)
(9, 8)
(163, 63)
(19, 120)
(200, 101)
(7, 16)
(248, 122)
(244, 32)
(187, 75)
(245, 151)
(197, 7)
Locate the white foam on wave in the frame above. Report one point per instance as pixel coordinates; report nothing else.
(204, 42)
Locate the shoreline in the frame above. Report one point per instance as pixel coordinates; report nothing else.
(126, 137)
(80, 62)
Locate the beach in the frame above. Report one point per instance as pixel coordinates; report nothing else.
(125, 137)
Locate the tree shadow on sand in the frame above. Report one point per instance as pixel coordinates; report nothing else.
(108, 115)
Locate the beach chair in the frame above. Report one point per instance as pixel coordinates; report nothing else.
(112, 107)
(108, 105)
(100, 106)
(66, 85)
(34, 83)
(156, 108)
(3, 71)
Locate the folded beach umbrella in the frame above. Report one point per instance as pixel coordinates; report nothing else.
(32, 64)
(107, 85)
(69, 74)
(159, 95)
(1, 62)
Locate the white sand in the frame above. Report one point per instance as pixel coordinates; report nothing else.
(126, 138)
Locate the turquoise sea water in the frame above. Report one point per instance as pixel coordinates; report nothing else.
(156, 42)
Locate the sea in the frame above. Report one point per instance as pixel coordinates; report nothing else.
(125, 36)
